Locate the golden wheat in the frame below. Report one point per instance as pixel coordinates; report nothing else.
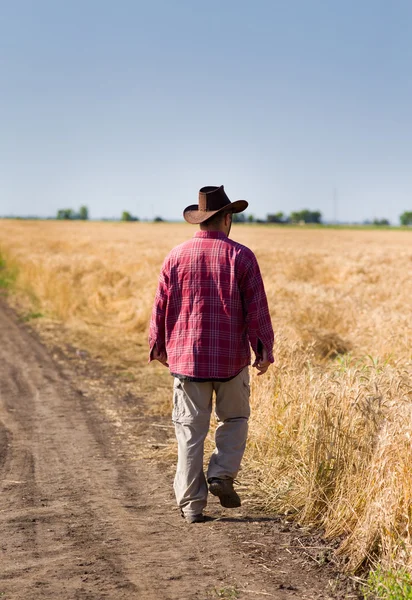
(330, 437)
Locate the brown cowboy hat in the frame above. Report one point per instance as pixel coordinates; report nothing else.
(212, 199)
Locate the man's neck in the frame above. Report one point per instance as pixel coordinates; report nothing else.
(205, 228)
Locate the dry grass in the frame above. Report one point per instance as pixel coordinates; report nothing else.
(330, 437)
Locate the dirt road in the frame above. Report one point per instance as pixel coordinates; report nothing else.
(80, 519)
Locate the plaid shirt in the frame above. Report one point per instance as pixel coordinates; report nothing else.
(209, 305)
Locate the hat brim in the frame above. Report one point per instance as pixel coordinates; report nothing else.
(193, 215)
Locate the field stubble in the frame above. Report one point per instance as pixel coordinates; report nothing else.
(331, 434)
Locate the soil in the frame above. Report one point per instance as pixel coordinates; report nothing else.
(87, 512)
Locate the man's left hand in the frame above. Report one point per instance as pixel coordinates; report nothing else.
(262, 363)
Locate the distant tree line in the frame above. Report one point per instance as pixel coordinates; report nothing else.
(300, 216)
(311, 216)
(83, 214)
(70, 214)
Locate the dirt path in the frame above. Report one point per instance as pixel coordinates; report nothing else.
(80, 519)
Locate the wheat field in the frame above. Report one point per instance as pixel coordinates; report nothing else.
(331, 431)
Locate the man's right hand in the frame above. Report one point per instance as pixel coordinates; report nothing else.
(261, 363)
(160, 356)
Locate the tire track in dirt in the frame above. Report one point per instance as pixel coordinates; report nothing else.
(79, 520)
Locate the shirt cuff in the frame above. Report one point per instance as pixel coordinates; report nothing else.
(258, 347)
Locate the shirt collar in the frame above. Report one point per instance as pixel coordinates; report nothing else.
(214, 235)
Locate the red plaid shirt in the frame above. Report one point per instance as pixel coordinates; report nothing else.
(209, 305)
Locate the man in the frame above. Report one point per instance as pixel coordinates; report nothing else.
(210, 306)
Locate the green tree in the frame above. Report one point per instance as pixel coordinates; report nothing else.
(65, 213)
(158, 220)
(83, 213)
(275, 217)
(126, 216)
(239, 218)
(406, 218)
(380, 222)
(250, 219)
(307, 216)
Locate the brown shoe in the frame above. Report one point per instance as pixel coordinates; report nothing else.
(223, 489)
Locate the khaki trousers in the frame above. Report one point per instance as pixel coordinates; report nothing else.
(192, 407)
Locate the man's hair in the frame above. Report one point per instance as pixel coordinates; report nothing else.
(215, 220)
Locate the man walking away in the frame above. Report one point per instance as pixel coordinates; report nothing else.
(210, 307)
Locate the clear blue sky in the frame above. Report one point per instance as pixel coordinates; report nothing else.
(132, 105)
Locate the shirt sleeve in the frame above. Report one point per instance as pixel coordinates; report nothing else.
(157, 327)
(259, 324)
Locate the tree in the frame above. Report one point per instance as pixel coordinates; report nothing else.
(83, 213)
(380, 222)
(307, 216)
(65, 213)
(68, 213)
(239, 218)
(275, 217)
(250, 219)
(126, 216)
(158, 220)
(406, 218)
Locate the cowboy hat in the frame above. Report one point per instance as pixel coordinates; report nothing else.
(212, 199)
